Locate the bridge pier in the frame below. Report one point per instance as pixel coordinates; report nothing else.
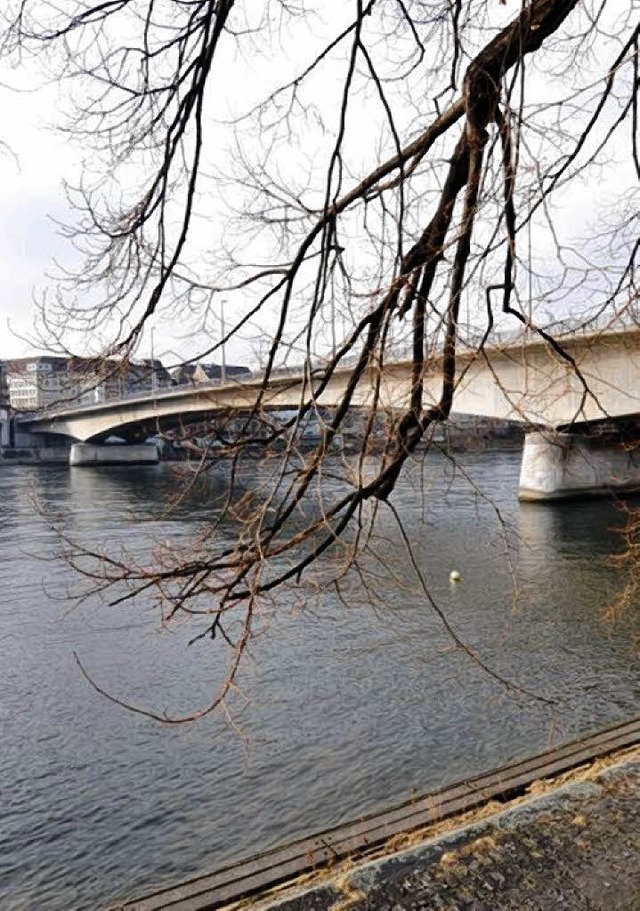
(113, 454)
(561, 465)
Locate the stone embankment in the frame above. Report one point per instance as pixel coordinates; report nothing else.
(558, 830)
(34, 455)
(572, 843)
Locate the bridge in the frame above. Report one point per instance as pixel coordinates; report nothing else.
(524, 380)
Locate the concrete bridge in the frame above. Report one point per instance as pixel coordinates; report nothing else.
(523, 380)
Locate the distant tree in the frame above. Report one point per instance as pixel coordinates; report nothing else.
(359, 181)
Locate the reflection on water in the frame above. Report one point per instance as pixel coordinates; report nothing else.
(343, 711)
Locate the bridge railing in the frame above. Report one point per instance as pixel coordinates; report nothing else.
(146, 395)
(567, 328)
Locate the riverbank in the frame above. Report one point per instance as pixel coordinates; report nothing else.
(455, 440)
(497, 842)
(34, 455)
(571, 843)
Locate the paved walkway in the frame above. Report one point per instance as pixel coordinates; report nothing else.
(575, 847)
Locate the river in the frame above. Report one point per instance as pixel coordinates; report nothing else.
(344, 710)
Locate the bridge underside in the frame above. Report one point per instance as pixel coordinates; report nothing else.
(133, 431)
(585, 459)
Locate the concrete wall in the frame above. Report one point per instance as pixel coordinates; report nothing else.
(559, 465)
(33, 455)
(4, 427)
(115, 454)
(12, 434)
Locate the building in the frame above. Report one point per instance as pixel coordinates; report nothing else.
(94, 379)
(105, 379)
(198, 374)
(145, 376)
(37, 382)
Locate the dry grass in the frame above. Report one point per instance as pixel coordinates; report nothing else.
(339, 873)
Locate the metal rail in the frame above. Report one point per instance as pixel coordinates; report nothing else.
(261, 872)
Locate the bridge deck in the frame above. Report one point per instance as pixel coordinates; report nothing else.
(523, 380)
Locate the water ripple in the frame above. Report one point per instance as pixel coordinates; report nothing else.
(350, 710)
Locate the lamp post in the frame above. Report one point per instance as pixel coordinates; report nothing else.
(223, 372)
(530, 281)
(153, 365)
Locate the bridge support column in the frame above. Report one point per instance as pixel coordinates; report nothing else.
(113, 454)
(560, 465)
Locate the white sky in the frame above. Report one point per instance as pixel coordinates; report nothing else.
(31, 173)
(31, 177)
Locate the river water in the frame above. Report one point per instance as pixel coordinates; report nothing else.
(345, 710)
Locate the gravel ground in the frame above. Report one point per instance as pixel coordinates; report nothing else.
(577, 846)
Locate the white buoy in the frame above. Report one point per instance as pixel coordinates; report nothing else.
(454, 576)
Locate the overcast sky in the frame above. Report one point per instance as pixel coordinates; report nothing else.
(32, 171)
